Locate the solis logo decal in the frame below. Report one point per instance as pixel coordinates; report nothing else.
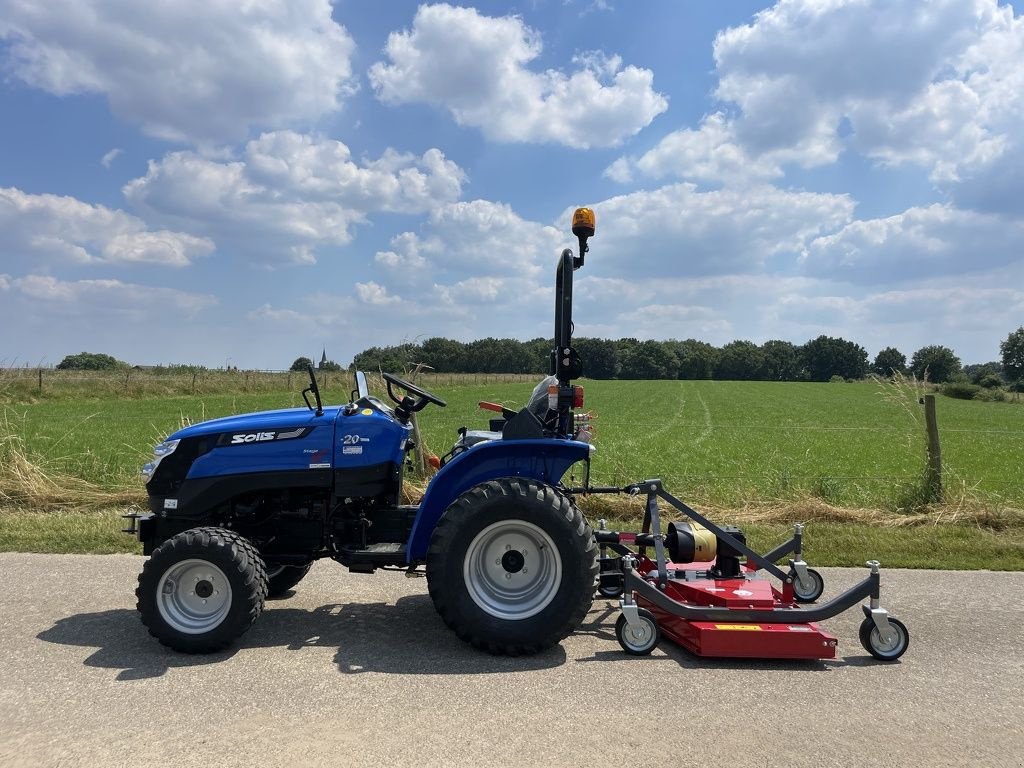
(253, 437)
(245, 438)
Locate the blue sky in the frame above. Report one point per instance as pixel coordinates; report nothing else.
(217, 183)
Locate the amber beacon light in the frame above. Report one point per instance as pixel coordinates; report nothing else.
(583, 226)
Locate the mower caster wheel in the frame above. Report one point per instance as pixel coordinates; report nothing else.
(811, 590)
(638, 641)
(872, 641)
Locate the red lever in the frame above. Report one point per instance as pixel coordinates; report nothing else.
(491, 406)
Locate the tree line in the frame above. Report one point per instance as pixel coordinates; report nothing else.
(820, 359)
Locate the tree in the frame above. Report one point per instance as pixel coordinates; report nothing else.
(889, 361)
(329, 365)
(301, 364)
(444, 355)
(648, 360)
(90, 361)
(697, 359)
(782, 361)
(936, 362)
(825, 357)
(600, 357)
(1012, 350)
(741, 361)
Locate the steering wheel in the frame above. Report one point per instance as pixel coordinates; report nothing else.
(423, 396)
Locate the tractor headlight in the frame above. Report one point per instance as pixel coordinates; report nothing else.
(160, 452)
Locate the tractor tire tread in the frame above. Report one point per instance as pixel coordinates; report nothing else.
(458, 513)
(239, 553)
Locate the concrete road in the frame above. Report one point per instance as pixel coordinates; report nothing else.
(359, 671)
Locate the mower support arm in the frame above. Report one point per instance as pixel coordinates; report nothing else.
(868, 588)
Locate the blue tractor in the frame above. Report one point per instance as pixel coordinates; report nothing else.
(241, 507)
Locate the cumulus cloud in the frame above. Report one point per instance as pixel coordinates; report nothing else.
(805, 80)
(374, 293)
(289, 194)
(479, 237)
(915, 244)
(204, 71)
(476, 67)
(677, 230)
(64, 229)
(710, 153)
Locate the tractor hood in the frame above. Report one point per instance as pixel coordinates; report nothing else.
(261, 420)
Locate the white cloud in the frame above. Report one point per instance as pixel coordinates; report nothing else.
(64, 229)
(374, 293)
(938, 88)
(289, 193)
(479, 237)
(204, 71)
(676, 230)
(961, 317)
(710, 153)
(476, 67)
(109, 297)
(916, 244)
(107, 160)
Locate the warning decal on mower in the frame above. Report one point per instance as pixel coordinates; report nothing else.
(747, 627)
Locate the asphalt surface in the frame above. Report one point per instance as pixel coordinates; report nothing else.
(359, 671)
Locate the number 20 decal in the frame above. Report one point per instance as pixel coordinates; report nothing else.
(350, 440)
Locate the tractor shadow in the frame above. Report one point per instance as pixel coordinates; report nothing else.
(405, 638)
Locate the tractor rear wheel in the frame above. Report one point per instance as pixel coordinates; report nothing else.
(202, 589)
(511, 566)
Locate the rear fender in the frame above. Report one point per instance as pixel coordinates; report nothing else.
(543, 460)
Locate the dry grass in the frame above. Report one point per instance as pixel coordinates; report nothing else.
(27, 482)
(623, 509)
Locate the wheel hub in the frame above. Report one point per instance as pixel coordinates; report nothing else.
(194, 596)
(512, 569)
(513, 561)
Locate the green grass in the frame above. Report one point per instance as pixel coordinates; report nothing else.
(732, 446)
(721, 443)
(731, 443)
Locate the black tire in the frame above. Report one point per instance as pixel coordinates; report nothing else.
(814, 590)
(281, 578)
(872, 640)
(610, 593)
(183, 620)
(643, 641)
(528, 524)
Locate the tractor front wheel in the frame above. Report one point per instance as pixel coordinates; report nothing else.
(202, 589)
(511, 566)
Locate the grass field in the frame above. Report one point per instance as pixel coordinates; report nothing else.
(724, 443)
(728, 445)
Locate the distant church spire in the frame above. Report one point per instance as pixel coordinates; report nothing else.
(323, 358)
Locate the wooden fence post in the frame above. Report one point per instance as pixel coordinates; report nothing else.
(934, 475)
(40, 379)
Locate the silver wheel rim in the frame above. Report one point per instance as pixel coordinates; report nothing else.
(512, 570)
(806, 588)
(638, 638)
(887, 648)
(193, 596)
